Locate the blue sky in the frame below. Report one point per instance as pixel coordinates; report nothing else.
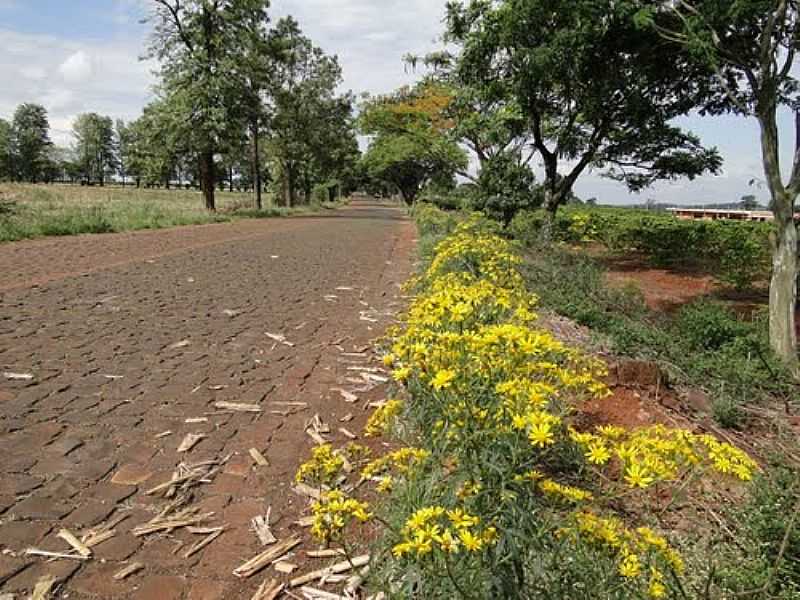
(75, 56)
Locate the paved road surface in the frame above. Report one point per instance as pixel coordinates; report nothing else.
(128, 336)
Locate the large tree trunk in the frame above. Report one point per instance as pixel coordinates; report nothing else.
(207, 179)
(230, 179)
(255, 160)
(783, 286)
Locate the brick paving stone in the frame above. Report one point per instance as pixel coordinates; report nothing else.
(161, 587)
(10, 566)
(131, 474)
(27, 579)
(39, 508)
(19, 535)
(92, 441)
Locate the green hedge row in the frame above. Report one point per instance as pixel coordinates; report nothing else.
(736, 252)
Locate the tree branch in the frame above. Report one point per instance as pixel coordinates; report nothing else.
(176, 19)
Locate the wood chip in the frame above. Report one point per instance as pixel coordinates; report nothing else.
(304, 522)
(348, 396)
(372, 378)
(98, 538)
(315, 594)
(194, 549)
(190, 441)
(126, 572)
(72, 540)
(43, 587)
(341, 567)
(285, 567)
(182, 519)
(237, 407)
(163, 435)
(347, 418)
(255, 564)
(306, 490)
(260, 525)
(348, 434)
(196, 420)
(328, 553)
(259, 458)
(18, 376)
(318, 439)
(269, 590)
(281, 339)
(181, 344)
(45, 553)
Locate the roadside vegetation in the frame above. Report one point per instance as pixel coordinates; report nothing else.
(497, 485)
(33, 211)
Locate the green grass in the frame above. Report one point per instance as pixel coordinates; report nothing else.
(33, 211)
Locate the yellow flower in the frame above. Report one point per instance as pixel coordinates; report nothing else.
(630, 567)
(443, 379)
(471, 543)
(598, 454)
(637, 477)
(541, 435)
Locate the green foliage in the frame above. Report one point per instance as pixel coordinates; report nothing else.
(5, 150)
(94, 146)
(705, 345)
(29, 143)
(767, 532)
(410, 146)
(506, 186)
(593, 87)
(735, 252)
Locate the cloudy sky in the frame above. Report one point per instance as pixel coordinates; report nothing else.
(83, 55)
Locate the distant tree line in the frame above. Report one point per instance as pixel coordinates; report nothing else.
(242, 103)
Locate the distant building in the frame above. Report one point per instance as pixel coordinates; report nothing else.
(712, 214)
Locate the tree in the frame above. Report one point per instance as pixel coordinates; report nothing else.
(157, 142)
(5, 150)
(749, 202)
(94, 146)
(749, 46)
(411, 145)
(123, 146)
(595, 89)
(308, 123)
(197, 43)
(506, 185)
(30, 140)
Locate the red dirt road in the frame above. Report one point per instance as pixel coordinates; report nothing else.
(123, 338)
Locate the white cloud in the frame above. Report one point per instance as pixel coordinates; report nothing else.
(72, 76)
(77, 68)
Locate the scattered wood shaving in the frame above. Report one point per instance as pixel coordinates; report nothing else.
(237, 407)
(72, 540)
(315, 594)
(259, 458)
(306, 490)
(281, 339)
(128, 571)
(372, 378)
(285, 567)
(347, 418)
(18, 376)
(348, 396)
(196, 420)
(305, 522)
(45, 553)
(318, 439)
(43, 587)
(194, 549)
(181, 344)
(163, 435)
(348, 434)
(255, 564)
(340, 567)
(184, 518)
(328, 553)
(190, 441)
(269, 590)
(260, 525)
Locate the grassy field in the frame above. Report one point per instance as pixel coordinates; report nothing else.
(32, 211)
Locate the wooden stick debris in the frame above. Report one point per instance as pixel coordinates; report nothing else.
(194, 549)
(306, 490)
(43, 587)
(329, 553)
(190, 441)
(18, 376)
(341, 567)
(72, 540)
(286, 568)
(259, 458)
(238, 407)
(315, 594)
(348, 433)
(269, 590)
(126, 572)
(318, 439)
(255, 564)
(184, 518)
(280, 338)
(348, 396)
(45, 553)
(261, 527)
